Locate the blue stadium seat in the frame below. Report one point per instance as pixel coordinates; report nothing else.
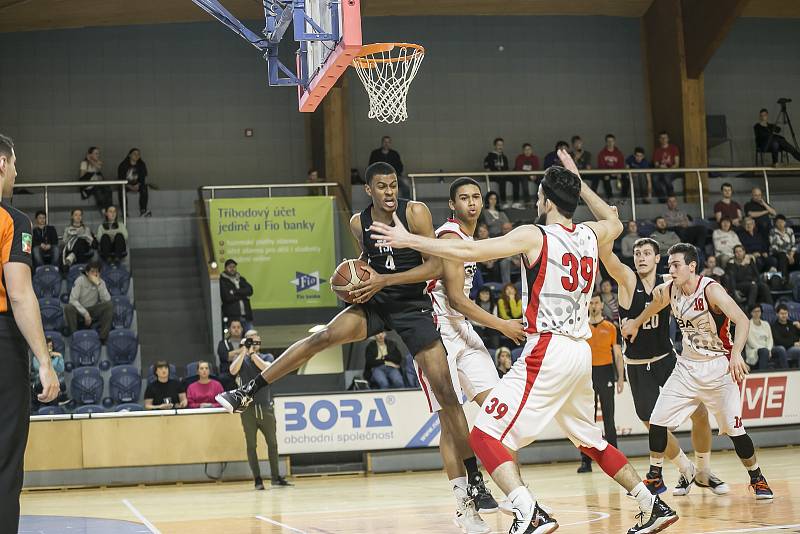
(129, 407)
(646, 228)
(123, 312)
(117, 278)
(122, 346)
(51, 410)
(87, 385)
(89, 408)
(191, 370)
(52, 314)
(768, 313)
(516, 353)
(74, 272)
(151, 372)
(125, 384)
(85, 348)
(47, 282)
(794, 311)
(496, 287)
(58, 340)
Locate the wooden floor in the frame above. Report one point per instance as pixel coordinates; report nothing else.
(418, 502)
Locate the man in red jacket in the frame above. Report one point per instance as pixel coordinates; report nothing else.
(610, 157)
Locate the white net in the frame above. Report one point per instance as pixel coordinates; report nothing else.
(387, 74)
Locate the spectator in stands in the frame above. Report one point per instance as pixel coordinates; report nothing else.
(644, 182)
(756, 245)
(383, 363)
(786, 337)
(45, 242)
(627, 242)
(509, 305)
(610, 302)
(582, 158)
(664, 236)
(527, 161)
(768, 140)
(260, 415)
(91, 300)
(228, 349)
(164, 393)
(760, 345)
(201, 393)
(113, 237)
(712, 270)
(680, 223)
(727, 207)
(745, 281)
(79, 242)
(497, 161)
(313, 178)
(552, 157)
(510, 267)
(388, 155)
(57, 359)
(91, 170)
(666, 156)
(134, 171)
(493, 216)
(503, 358)
(760, 211)
(724, 240)
(610, 157)
(235, 292)
(485, 299)
(782, 245)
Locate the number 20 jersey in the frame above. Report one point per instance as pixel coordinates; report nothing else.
(557, 286)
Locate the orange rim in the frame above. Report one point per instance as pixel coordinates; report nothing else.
(364, 60)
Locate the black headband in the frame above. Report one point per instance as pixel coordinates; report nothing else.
(560, 198)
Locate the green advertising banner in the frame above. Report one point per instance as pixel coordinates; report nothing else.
(283, 246)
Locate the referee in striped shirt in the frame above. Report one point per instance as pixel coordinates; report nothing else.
(20, 328)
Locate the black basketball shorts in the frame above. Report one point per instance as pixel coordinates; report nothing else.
(646, 382)
(412, 319)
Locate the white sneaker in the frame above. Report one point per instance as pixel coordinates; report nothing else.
(507, 508)
(518, 205)
(467, 518)
(711, 481)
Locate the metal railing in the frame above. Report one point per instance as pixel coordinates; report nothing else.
(699, 172)
(47, 186)
(268, 187)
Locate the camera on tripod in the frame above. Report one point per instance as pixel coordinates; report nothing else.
(784, 101)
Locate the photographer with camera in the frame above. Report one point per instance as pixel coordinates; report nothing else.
(767, 138)
(260, 415)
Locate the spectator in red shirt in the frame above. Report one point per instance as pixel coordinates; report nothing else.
(610, 157)
(527, 161)
(200, 394)
(666, 156)
(727, 207)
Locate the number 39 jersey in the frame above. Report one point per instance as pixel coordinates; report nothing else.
(557, 286)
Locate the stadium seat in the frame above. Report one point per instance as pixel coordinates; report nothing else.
(74, 272)
(129, 407)
(85, 348)
(794, 311)
(122, 346)
(52, 314)
(646, 228)
(123, 312)
(516, 353)
(768, 313)
(125, 384)
(151, 373)
(496, 288)
(117, 279)
(191, 370)
(51, 410)
(89, 408)
(87, 385)
(47, 282)
(58, 340)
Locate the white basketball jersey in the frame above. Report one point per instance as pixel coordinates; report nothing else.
(557, 287)
(706, 335)
(435, 288)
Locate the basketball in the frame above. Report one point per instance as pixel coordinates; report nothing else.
(347, 276)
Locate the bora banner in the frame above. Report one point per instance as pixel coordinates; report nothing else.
(283, 246)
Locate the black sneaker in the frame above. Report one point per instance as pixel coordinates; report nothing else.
(585, 467)
(259, 483)
(712, 482)
(235, 400)
(654, 482)
(761, 488)
(482, 497)
(539, 523)
(280, 481)
(660, 517)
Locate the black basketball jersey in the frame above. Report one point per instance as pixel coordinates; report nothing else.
(386, 260)
(653, 338)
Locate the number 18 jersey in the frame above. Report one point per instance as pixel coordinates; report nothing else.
(557, 286)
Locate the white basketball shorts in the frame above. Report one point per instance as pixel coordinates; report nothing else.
(693, 382)
(472, 369)
(550, 382)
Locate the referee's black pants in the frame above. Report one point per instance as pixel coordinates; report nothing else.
(15, 398)
(603, 383)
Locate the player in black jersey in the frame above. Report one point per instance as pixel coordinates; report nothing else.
(650, 360)
(393, 298)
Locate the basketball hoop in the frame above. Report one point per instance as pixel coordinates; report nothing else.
(387, 70)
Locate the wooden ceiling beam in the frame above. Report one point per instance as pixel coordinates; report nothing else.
(706, 23)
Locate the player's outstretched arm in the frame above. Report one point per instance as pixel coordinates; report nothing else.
(453, 277)
(630, 328)
(624, 275)
(522, 239)
(721, 302)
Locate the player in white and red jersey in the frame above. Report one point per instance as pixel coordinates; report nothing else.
(710, 366)
(553, 378)
(472, 369)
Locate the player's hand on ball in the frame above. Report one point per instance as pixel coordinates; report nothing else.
(738, 368)
(513, 330)
(366, 289)
(395, 236)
